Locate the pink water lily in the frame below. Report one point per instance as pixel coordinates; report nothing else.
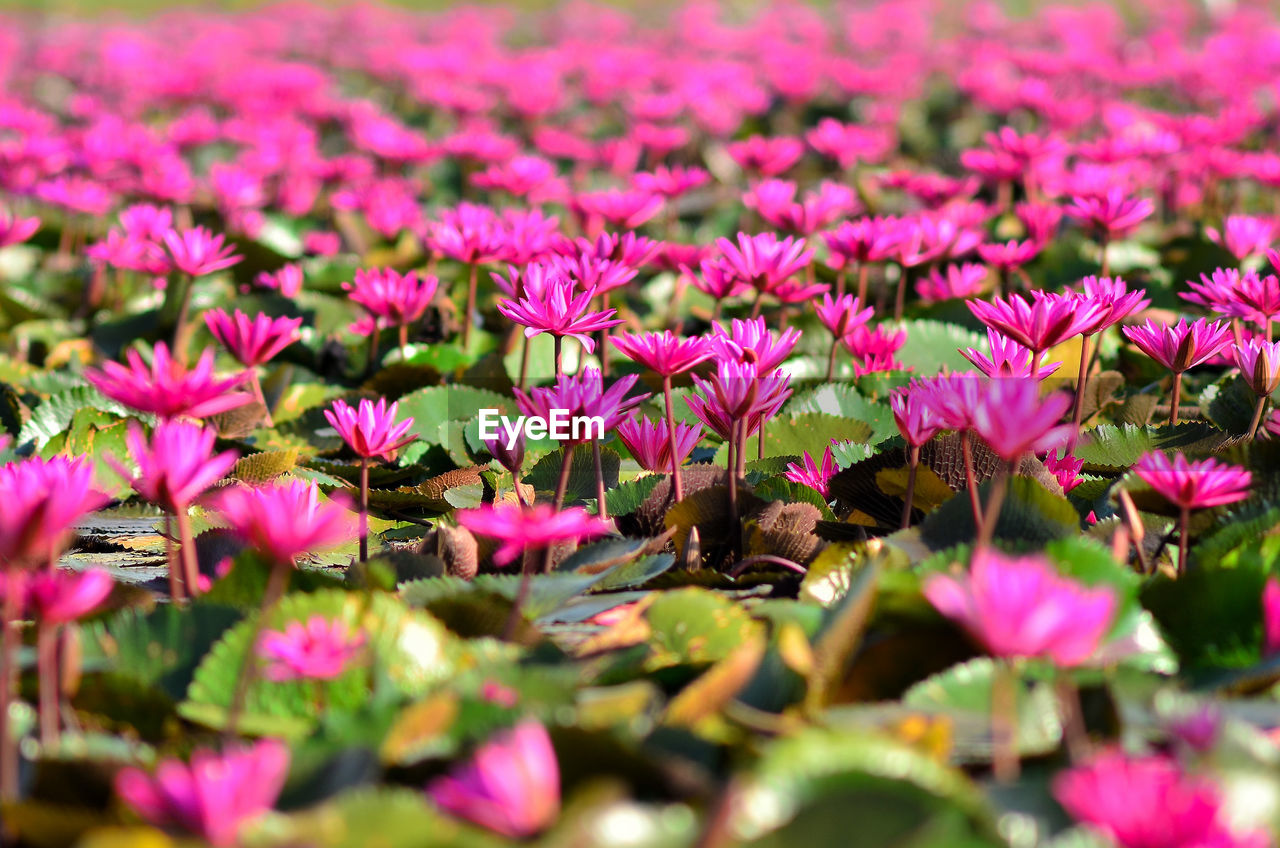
(214, 796)
(1022, 607)
(319, 649)
(511, 785)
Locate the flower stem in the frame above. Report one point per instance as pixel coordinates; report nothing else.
(12, 608)
(1184, 533)
(559, 350)
(1106, 265)
(602, 510)
(677, 484)
(913, 464)
(1004, 723)
(180, 325)
(735, 451)
(1074, 731)
(900, 299)
(364, 508)
(524, 361)
(47, 672)
(995, 500)
(176, 595)
(566, 464)
(966, 452)
(277, 583)
(262, 399)
(471, 306)
(404, 339)
(1077, 413)
(1257, 417)
(862, 282)
(1177, 397)
(187, 548)
(831, 358)
(604, 339)
(522, 594)
(372, 362)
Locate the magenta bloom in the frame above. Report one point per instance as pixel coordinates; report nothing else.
(252, 341)
(671, 182)
(1259, 364)
(517, 529)
(1013, 420)
(841, 315)
(810, 473)
(214, 796)
(14, 230)
(738, 391)
(1193, 485)
(1022, 607)
(767, 156)
(1244, 235)
(1148, 802)
(584, 395)
(176, 465)
(959, 281)
(664, 353)
(1117, 302)
(61, 597)
(1113, 213)
(1041, 220)
(286, 520)
(321, 649)
(391, 297)
(42, 499)
(559, 310)
(916, 418)
(752, 342)
(1045, 321)
(470, 234)
(1181, 346)
(650, 444)
(166, 388)
(288, 280)
(863, 240)
(372, 429)
(511, 785)
(1010, 255)
(763, 261)
(1007, 359)
(198, 252)
(1271, 617)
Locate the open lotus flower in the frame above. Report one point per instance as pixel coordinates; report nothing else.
(511, 785)
(42, 500)
(214, 796)
(320, 649)
(166, 388)
(1149, 801)
(1022, 607)
(286, 520)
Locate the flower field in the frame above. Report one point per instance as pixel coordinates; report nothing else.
(699, 426)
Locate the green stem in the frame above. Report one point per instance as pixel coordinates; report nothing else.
(47, 672)
(187, 545)
(277, 583)
(364, 509)
(677, 484)
(913, 464)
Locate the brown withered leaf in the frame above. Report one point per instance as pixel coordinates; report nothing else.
(785, 530)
